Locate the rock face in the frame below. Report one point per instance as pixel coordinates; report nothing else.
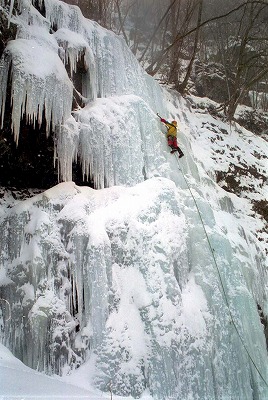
(253, 120)
(31, 163)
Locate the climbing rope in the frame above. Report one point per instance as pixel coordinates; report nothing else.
(219, 274)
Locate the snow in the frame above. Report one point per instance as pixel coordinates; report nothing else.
(21, 382)
(147, 285)
(41, 78)
(135, 258)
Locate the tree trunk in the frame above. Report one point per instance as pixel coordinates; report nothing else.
(182, 87)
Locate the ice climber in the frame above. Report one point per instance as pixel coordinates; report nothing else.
(172, 135)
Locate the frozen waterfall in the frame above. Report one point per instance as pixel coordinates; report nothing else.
(45, 49)
(151, 282)
(125, 275)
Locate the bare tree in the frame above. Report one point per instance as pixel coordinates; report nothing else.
(182, 86)
(243, 52)
(178, 45)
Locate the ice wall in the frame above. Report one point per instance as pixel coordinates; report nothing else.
(124, 277)
(118, 140)
(43, 63)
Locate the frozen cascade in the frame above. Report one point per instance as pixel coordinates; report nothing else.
(123, 277)
(126, 271)
(39, 61)
(113, 142)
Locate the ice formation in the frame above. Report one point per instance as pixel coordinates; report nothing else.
(113, 141)
(125, 275)
(44, 50)
(123, 279)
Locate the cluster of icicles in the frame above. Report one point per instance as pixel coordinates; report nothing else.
(42, 63)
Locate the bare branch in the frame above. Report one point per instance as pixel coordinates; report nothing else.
(155, 30)
(206, 22)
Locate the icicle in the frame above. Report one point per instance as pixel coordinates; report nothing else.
(11, 6)
(63, 15)
(4, 68)
(67, 148)
(39, 82)
(111, 154)
(76, 49)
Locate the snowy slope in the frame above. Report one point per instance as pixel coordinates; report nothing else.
(19, 381)
(152, 283)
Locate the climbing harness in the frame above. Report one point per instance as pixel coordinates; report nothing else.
(219, 274)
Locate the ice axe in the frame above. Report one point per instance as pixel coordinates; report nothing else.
(162, 119)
